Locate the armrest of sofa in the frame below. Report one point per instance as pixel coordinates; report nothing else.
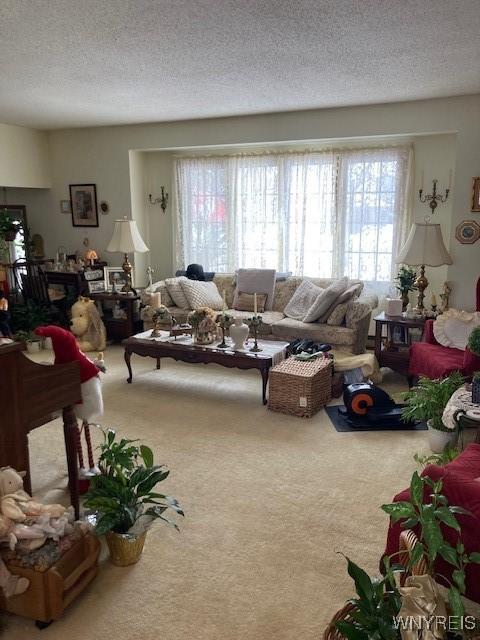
(358, 317)
(471, 362)
(428, 333)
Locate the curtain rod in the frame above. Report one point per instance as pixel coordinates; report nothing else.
(306, 151)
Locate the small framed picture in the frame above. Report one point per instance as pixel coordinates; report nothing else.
(65, 206)
(94, 274)
(476, 195)
(83, 200)
(115, 275)
(96, 286)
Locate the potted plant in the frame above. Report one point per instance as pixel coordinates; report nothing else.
(9, 227)
(32, 342)
(428, 511)
(473, 345)
(427, 401)
(124, 497)
(405, 280)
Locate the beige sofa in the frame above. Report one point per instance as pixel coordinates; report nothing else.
(352, 336)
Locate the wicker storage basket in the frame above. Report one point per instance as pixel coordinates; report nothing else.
(408, 539)
(300, 388)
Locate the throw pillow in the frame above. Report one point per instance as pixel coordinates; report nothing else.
(245, 302)
(175, 290)
(202, 294)
(256, 280)
(302, 300)
(337, 316)
(161, 288)
(321, 307)
(353, 291)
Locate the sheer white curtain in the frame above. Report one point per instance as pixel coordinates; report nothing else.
(374, 201)
(321, 214)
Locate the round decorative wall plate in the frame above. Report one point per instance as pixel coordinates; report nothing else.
(467, 232)
(104, 206)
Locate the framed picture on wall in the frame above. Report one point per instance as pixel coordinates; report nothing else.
(476, 195)
(83, 202)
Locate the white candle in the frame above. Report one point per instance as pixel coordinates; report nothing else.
(156, 300)
(433, 300)
(254, 304)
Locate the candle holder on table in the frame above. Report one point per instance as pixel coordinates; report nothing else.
(224, 321)
(254, 323)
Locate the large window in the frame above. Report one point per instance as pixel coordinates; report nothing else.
(316, 214)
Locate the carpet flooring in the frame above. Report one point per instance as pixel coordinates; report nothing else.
(269, 501)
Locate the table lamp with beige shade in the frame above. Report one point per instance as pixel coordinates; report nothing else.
(126, 239)
(424, 247)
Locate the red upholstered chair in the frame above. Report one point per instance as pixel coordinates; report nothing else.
(432, 360)
(461, 486)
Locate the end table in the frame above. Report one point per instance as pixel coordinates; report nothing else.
(392, 346)
(119, 328)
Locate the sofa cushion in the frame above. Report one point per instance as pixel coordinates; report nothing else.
(302, 300)
(284, 290)
(337, 316)
(161, 288)
(246, 301)
(175, 290)
(257, 281)
(288, 329)
(202, 294)
(325, 302)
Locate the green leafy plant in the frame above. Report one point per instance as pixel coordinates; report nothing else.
(8, 225)
(474, 341)
(29, 316)
(429, 516)
(405, 279)
(441, 459)
(429, 398)
(124, 491)
(375, 608)
(26, 336)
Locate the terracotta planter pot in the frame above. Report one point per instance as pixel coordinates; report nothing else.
(124, 548)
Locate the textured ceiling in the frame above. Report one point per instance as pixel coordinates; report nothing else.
(96, 62)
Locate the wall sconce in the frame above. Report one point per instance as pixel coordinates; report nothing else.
(162, 200)
(434, 198)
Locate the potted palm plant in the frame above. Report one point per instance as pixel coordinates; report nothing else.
(405, 280)
(427, 402)
(474, 346)
(124, 497)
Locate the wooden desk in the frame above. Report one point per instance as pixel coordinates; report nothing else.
(29, 395)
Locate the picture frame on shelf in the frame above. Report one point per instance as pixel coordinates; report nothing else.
(96, 286)
(83, 202)
(117, 275)
(476, 195)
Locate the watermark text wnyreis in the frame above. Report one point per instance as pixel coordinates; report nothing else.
(446, 623)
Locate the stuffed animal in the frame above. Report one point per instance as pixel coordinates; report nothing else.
(24, 520)
(66, 350)
(87, 325)
(11, 585)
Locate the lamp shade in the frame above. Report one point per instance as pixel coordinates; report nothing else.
(424, 245)
(126, 238)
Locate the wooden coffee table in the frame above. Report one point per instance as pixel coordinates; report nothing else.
(189, 352)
